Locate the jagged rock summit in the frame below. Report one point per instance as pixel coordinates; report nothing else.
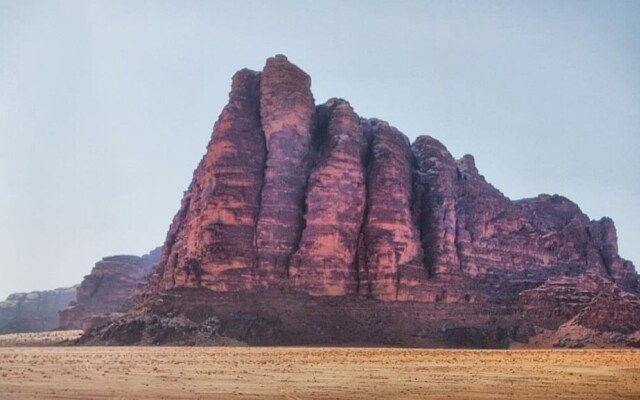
(307, 224)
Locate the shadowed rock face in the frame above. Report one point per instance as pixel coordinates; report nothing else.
(288, 116)
(112, 282)
(301, 203)
(390, 236)
(34, 311)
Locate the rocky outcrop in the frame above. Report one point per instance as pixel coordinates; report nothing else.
(390, 235)
(335, 202)
(312, 214)
(34, 311)
(211, 239)
(288, 115)
(112, 282)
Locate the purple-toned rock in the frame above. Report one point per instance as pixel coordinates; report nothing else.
(288, 117)
(391, 238)
(311, 225)
(111, 283)
(336, 194)
(211, 239)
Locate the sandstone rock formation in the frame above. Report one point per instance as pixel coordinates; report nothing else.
(34, 311)
(112, 282)
(335, 205)
(309, 224)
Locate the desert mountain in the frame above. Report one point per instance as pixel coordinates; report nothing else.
(106, 289)
(33, 311)
(111, 282)
(308, 224)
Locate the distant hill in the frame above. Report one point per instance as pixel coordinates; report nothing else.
(34, 311)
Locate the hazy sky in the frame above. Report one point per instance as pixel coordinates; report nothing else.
(106, 107)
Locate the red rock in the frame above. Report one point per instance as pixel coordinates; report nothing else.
(112, 282)
(603, 234)
(391, 238)
(437, 192)
(308, 224)
(211, 239)
(288, 116)
(325, 261)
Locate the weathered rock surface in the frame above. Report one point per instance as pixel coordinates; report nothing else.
(112, 282)
(391, 237)
(336, 195)
(211, 239)
(34, 311)
(318, 226)
(288, 116)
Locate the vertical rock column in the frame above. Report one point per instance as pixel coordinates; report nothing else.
(438, 172)
(324, 264)
(604, 242)
(210, 242)
(288, 112)
(391, 238)
(232, 194)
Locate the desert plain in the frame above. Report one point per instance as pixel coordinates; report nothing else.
(72, 372)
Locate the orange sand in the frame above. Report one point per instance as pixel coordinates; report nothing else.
(315, 373)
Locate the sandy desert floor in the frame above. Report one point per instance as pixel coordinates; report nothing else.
(38, 338)
(315, 373)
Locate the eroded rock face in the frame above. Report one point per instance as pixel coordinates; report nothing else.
(211, 239)
(325, 263)
(288, 116)
(112, 281)
(301, 203)
(34, 311)
(391, 238)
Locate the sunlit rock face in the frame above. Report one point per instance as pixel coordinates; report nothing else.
(296, 200)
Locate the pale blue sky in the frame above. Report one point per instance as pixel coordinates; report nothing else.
(106, 107)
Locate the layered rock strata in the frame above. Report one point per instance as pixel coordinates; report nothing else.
(335, 204)
(34, 311)
(112, 281)
(287, 115)
(299, 201)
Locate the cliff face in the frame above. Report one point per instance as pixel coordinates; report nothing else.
(34, 311)
(105, 290)
(342, 215)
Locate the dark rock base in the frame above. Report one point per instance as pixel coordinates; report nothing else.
(200, 316)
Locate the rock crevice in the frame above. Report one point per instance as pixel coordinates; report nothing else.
(297, 199)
